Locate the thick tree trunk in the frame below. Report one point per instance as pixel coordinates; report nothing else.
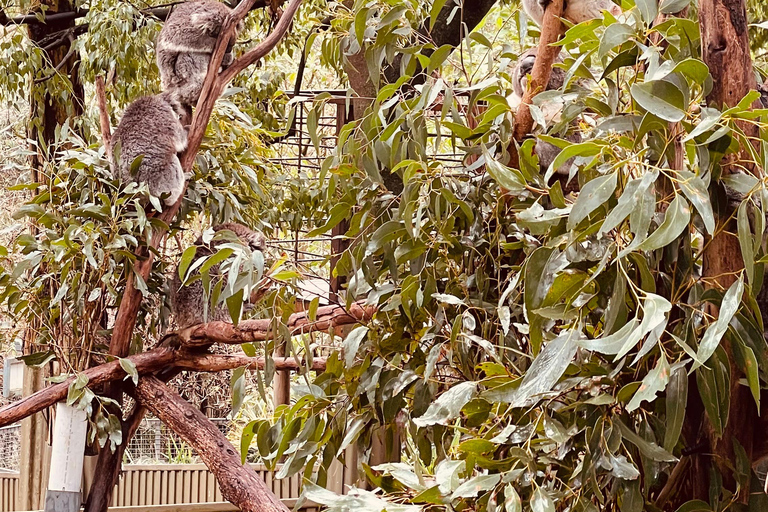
(725, 49)
(239, 484)
(48, 111)
(109, 464)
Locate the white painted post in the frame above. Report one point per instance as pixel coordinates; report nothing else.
(64, 483)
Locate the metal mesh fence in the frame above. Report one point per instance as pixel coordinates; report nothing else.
(10, 447)
(156, 443)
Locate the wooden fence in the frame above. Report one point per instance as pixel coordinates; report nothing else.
(184, 488)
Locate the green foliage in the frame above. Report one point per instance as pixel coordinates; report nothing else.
(532, 348)
(63, 275)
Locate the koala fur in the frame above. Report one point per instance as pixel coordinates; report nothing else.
(575, 11)
(185, 45)
(545, 151)
(188, 302)
(151, 128)
(524, 68)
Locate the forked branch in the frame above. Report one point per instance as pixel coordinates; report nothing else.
(147, 363)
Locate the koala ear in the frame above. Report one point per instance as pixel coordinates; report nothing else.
(207, 23)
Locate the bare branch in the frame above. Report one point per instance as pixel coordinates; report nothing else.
(262, 49)
(213, 363)
(106, 130)
(160, 13)
(240, 485)
(61, 63)
(261, 330)
(148, 362)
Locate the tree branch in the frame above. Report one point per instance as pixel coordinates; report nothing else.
(239, 484)
(261, 330)
(551, 31)
(61, 63)
(213, 363)
(105, 125)
(148, 362)
(160, 13)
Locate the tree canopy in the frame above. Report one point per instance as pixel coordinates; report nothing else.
(544, 339)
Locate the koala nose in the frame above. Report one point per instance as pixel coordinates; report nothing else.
(615, 10)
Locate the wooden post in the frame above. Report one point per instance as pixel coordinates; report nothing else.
(339, 244)
(65, 480)
(281, 384)
(34, 433)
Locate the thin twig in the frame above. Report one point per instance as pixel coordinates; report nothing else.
(61, 64)
(106, 131)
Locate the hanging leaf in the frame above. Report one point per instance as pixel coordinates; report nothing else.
(653, 383)
(714, 334)
(593, 195)
(661, 98)
(543, 374)
(675, 222)
(696, 191)
(448, 405)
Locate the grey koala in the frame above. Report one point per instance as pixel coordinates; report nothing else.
(185, 45)
(151, 129)
(575, 11)
(188, 302)
(544, 150)
(525, 66)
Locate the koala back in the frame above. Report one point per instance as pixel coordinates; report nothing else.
(193, 27)
(150, 128)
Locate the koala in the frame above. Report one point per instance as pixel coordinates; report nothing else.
(188, 302)
(763, 90)
(151, 129)
(544, 150)
(525, 66)
(575, 11)
(185, 45)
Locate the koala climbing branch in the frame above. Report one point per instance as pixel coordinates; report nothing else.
(551, 30)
